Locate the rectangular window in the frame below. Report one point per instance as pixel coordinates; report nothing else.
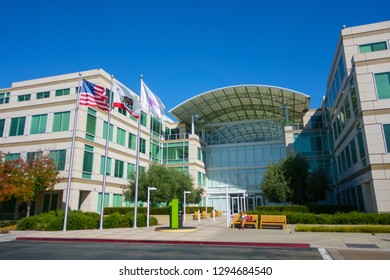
(10, 157)
(382, 82)
(108, 171)
(105, 131)
(130, 169)
(155, 127)
(62, 92)
(31, 156)
(91, 125)
(348, 157)
(132, 142)
(155, 151)
(106, 201)
(119, 168)
(59, 158)
(120, 136)
(44, 94)
(2, 124)
(88, 162)
(50, 202)
(386, 131)
(117, 200)
(4, 97)
(17, 126)
(61, 121)
(142, 146)
(38, 124)
(362, 150)
(143, 118)
(24, 97)
(352, 145)
(373, 47)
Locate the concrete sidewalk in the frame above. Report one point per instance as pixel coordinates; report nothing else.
(215, 232)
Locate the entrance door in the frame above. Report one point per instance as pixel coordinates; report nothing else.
(235, 205)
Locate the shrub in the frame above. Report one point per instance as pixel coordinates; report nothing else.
(283, 208)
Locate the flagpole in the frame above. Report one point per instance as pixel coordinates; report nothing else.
(106, 156)
(72, 153)
(137, 164)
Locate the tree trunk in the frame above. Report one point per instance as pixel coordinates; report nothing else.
(28, 208)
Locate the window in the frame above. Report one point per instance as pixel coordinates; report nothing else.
(59, 157)
(143, 118)
(142, 146)
(117, 200)
(105, 131)
(91, 125)
(119, 167)
(50, 202)
(24, 97)
(362, 150)
(120, 136)
(38, 124)
(382, 82)
(132, 142)
(4, 97)
(155, 127)
(175, 153)
(2, 124)
(61, 121)
(31, 156)
(44, 94)
(386, 131)
(10, 157)
(61, 92)
(130, 169)
(17, 126)
(108, 171)
(373, 47)
(155, 151)
(88, 162)
(106, 201)
(352, 145)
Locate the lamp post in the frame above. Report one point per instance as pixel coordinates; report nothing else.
(184, 205)
(147, 214)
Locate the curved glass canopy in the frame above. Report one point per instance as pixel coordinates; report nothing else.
(243, 113)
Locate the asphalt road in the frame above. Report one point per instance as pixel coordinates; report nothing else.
(33, 250)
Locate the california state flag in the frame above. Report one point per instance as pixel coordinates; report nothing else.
(126, 99)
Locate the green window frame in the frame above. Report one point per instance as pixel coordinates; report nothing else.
(352, 145)
(382, 83)
(362, 150)
(132, 141)
(106, 201)
(111, 132)
(130, 169)
(31, 156)
(50, 202)
(62, 92)
(386, 132)
(10, 157)
(88, 162)
(142, 146)
(117, 200)
(38, 124)
(109, 161)
(120, 136)
(155, 151)
(24, 97)
(59, 158)
(2, 125)
(155, 127)
(61, 121)
(175, 153)
(43, 94)
(373, 47)
(144, 118)
(119, 168)
(4, 97)
(17, 126)
(90, 130)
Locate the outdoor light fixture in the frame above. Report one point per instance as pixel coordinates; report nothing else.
(184, 204)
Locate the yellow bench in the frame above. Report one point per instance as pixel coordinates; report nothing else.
(236, 221)
(203, 215)
(273, 220)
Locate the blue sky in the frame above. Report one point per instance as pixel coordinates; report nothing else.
(182, 47)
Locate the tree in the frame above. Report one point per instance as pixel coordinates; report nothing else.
(317, 186)
(274, 185)
(296, 170)
(25, 179)
(169, 183)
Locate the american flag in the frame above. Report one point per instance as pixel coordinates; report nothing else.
(94, 96)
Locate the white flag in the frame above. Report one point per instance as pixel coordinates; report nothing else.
(151, 102)
(126, 99)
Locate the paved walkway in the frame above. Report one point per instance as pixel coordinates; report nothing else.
(215, 232)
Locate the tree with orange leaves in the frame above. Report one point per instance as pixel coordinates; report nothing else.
(24, 179)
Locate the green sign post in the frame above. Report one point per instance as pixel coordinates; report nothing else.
(174, 213)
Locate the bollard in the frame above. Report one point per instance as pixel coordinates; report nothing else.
(198, 215)
(213, 215)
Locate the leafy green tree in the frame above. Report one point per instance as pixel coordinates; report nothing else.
(169, 183)
(296, 171)
(317, 186)
(274, 185)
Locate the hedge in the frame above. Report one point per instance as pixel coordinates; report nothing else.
(53, 221)
(153, 210)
